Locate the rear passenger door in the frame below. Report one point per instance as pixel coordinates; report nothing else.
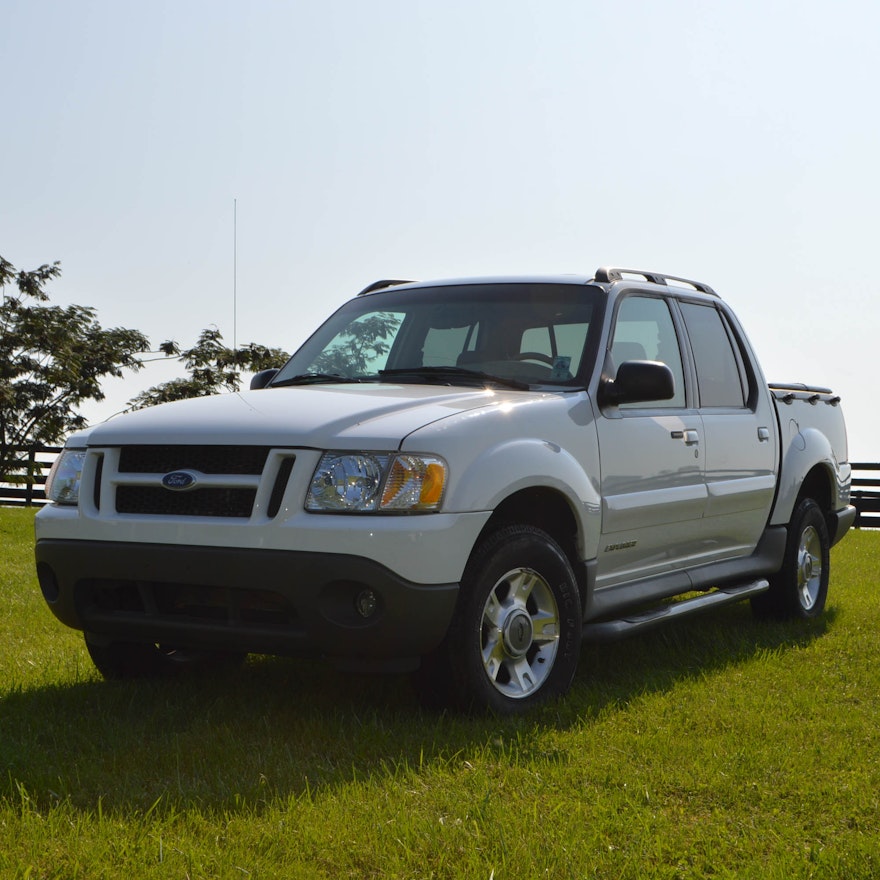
(653, 487)
(738, 432)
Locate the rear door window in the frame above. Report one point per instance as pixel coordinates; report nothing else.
(720, 376)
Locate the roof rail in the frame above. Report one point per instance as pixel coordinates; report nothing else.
(385, 282)
(607, 274)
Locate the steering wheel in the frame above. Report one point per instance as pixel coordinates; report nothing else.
(534, 356)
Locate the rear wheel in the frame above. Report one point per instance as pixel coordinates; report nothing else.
(121, 660)
(516, 636)
(800, 588)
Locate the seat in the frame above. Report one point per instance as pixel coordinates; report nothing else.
(628, 351)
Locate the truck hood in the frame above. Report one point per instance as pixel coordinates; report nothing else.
(318, 416)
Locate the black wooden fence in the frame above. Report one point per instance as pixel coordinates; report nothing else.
(866, 495)
(27, 488)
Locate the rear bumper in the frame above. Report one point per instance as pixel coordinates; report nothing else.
(256, 601)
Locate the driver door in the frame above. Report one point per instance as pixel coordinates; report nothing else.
(653, 472)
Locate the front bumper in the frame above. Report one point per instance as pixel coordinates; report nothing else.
(255, 601)
(840, 522)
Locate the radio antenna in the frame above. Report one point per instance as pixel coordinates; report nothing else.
(234, 275)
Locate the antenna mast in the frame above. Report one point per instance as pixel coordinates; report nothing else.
(234, 274)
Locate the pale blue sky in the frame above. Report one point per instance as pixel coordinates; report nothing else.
(736, 143)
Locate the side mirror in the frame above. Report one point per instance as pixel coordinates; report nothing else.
(639, 382)
(263, 378)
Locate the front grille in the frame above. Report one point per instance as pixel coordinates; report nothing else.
(227, 478)
(198, 502)
(177, 601)
(206, 459)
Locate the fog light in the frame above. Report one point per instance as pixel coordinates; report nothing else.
(366, 603)
(48, 582)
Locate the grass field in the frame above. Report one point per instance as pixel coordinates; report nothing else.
(720, 747)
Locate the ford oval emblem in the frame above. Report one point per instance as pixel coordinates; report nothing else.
(179, 481)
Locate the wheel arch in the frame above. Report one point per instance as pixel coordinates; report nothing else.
(550, 511)
(825, 479)
(819, 485)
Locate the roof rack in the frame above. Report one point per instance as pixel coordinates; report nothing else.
(607, 274)
(385, 282)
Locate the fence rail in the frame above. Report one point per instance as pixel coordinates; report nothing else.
(866, 494)
(25, 487)
(28, 489)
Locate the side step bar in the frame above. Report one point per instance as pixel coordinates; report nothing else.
(609, 630)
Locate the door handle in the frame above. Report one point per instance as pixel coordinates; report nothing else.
(690, 437)
(763, 434)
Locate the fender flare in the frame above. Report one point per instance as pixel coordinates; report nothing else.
(537, 464)
(808, 449)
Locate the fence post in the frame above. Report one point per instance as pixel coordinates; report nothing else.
(31, 467)
(865, 494)
(17, 488)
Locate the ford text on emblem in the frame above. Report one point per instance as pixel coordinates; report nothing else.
(179, 481)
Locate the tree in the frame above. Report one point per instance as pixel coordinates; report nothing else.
(52, 359)
(362, 344)
(213, 368)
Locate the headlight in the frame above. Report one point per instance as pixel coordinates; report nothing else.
(62, 484)
(362, 482)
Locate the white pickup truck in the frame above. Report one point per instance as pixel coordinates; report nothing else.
(467, 477)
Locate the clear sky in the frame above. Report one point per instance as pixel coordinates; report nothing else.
(736, 143)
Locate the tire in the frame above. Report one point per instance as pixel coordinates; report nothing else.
(125, 660)
(516, 636)
(799, 589)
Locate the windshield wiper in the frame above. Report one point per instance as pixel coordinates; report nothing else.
(439, 374)
(318, 378)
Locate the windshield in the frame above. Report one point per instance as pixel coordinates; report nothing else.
(518, 334)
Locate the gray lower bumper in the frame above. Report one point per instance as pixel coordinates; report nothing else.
(843, 519)
(257, 601)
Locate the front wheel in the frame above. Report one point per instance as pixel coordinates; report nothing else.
(516, 637)
(799, 589)
(122, 660)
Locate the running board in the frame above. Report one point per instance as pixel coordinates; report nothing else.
(609, 630)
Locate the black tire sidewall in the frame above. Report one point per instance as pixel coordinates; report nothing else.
(784, 595)
(511, 547)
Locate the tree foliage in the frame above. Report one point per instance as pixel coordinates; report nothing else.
(213, 368)
(361, 345)
(52, 359)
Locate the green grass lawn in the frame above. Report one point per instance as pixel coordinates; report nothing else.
(717, 747)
